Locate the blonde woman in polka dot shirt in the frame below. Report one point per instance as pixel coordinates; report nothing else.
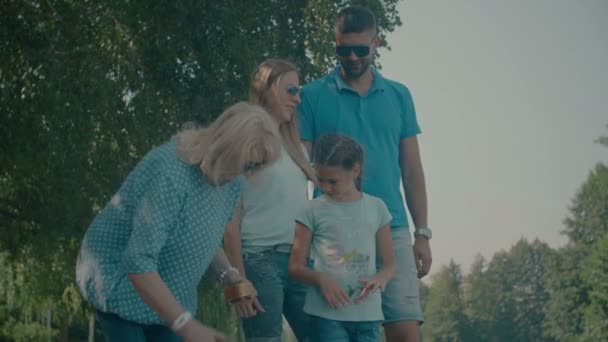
(144, 255)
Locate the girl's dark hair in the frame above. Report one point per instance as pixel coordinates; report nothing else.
(338, 150)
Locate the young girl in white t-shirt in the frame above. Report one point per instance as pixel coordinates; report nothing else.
(344, 229)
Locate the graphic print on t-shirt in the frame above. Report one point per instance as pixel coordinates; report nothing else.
(346, 262)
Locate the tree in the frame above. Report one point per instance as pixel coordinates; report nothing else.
(595, 277)
(566, 295)
(576, 307)
(444, 310)
(478, 301)
(528, 292)
(505, 298)
(588, 219)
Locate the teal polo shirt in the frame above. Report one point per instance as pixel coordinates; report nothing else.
(378, 121)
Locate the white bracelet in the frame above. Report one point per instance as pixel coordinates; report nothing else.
(181, 320)
(226, 271)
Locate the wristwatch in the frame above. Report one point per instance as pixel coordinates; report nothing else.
(426, 232)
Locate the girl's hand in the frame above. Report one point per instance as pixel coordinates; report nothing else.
(195, 331)
(377, 282)
(333, 292)
(246, 308)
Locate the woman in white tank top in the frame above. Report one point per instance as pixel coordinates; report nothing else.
(258, 239)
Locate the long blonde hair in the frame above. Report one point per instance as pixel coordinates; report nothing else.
(243, 133)
(265, 75)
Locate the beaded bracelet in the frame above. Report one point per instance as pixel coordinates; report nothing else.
(181, 321)
(226, 272)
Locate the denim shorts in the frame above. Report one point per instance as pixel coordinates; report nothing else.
(279, 295)
(116, 329)
(401, 297)
(325, 330)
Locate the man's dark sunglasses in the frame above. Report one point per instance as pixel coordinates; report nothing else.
(347, 50)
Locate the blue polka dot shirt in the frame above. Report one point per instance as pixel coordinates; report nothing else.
(165, 218)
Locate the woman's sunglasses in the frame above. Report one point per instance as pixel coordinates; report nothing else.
(293, 90)
(252, 166)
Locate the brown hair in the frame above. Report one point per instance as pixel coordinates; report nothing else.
(263, 78)
(341, 151)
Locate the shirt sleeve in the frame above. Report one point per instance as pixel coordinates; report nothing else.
(306, 217)
(306, 117)
(384, 216)
(155, 216)
(409, 121)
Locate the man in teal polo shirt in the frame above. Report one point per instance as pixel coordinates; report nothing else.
(355, 100)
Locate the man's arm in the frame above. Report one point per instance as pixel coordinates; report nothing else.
(414, 188)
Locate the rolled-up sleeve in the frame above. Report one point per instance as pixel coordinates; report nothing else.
(155, 217)
(384, 216)
(307, 217)
(410, 126)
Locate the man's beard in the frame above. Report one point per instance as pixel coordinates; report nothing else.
(357, 70)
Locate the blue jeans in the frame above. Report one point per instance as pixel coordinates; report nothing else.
(339, 331)
(279, 295)
(116, 329)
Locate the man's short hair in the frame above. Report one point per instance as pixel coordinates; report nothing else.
(356, 19)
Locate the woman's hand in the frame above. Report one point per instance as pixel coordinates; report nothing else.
(247, 308)
(333, 292)
(195, 331)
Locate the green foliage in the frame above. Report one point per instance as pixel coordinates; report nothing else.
(595, 277)
(588, 219)
(504, 299)
(26, 332)
(214, 310)
(528, 295)
(575, 307)
(478, 301)
(567, 295)
(444, 309)
(24, 316)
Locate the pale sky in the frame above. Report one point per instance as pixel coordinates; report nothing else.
(510, 97)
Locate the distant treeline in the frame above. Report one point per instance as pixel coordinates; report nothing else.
(532, 292)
